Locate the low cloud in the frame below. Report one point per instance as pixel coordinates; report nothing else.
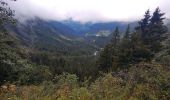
(87, 10)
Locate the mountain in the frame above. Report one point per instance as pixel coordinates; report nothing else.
(50, 36)
(97, 34)
(97, 29)
(79, 28)
(31, 29)
(168, 25)
(66, 37)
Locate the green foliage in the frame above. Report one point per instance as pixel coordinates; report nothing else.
(80, 94)
(156, 31)
(108, 56)
(66, 79)
(152, 81)
(144, 25)
(153, 30)
(105, 60)
(141, 45)
(140, 51)
(107, 88)
(45, 75)
(6, 13)
(15, 68)
(127, 33)
(142, 81)
(116, 37)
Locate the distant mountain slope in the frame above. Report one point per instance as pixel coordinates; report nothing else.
(50, 36)
(92, 29)
(31, 29)
(66, 36)
(168, 25)
(97, 34)
(80, 28)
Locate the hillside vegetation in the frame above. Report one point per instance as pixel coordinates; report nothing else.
(134, 66)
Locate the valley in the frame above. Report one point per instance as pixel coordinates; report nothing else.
(83, 57)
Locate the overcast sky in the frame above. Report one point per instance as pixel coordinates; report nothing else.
(87, 10)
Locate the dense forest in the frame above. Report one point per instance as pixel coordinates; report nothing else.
(133, 65)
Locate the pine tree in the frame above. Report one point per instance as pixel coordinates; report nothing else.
(105, 60)
(145, 21)
(124, 50)
(157, 30)
(108, 56)
(143, 25)
(116, 37)
(157, 17)
(140, 51)
(139, 46)
(127, 33)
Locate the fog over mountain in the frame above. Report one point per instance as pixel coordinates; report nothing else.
(87, 10)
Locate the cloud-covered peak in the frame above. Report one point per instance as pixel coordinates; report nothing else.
(87, 10)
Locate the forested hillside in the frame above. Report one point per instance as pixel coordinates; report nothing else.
(97, 28)
(46, 60)
(49, 36)
(168, 25)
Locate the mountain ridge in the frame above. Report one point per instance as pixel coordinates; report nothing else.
(61, 36)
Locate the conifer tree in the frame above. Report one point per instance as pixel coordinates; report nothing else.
(157, 30)
(124, 52)
(157, 17)
(109, 54)
(127, 33)
(140, 51)
(143, 25)
(116, 37)
(145, 21)
(105, 60)
(139, 46)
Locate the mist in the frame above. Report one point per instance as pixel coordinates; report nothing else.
(87, 10)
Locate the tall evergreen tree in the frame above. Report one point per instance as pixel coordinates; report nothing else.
(157, 17)
(127, 33)
(141, 45)
(145, 21)
(143, 25)
(105, 60)
(109, 54)
(124, 50)
(157, 30)
(140, 51)
(116, 37)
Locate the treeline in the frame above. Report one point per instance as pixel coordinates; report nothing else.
(141, 45)
(20, 64)
(135, 66)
